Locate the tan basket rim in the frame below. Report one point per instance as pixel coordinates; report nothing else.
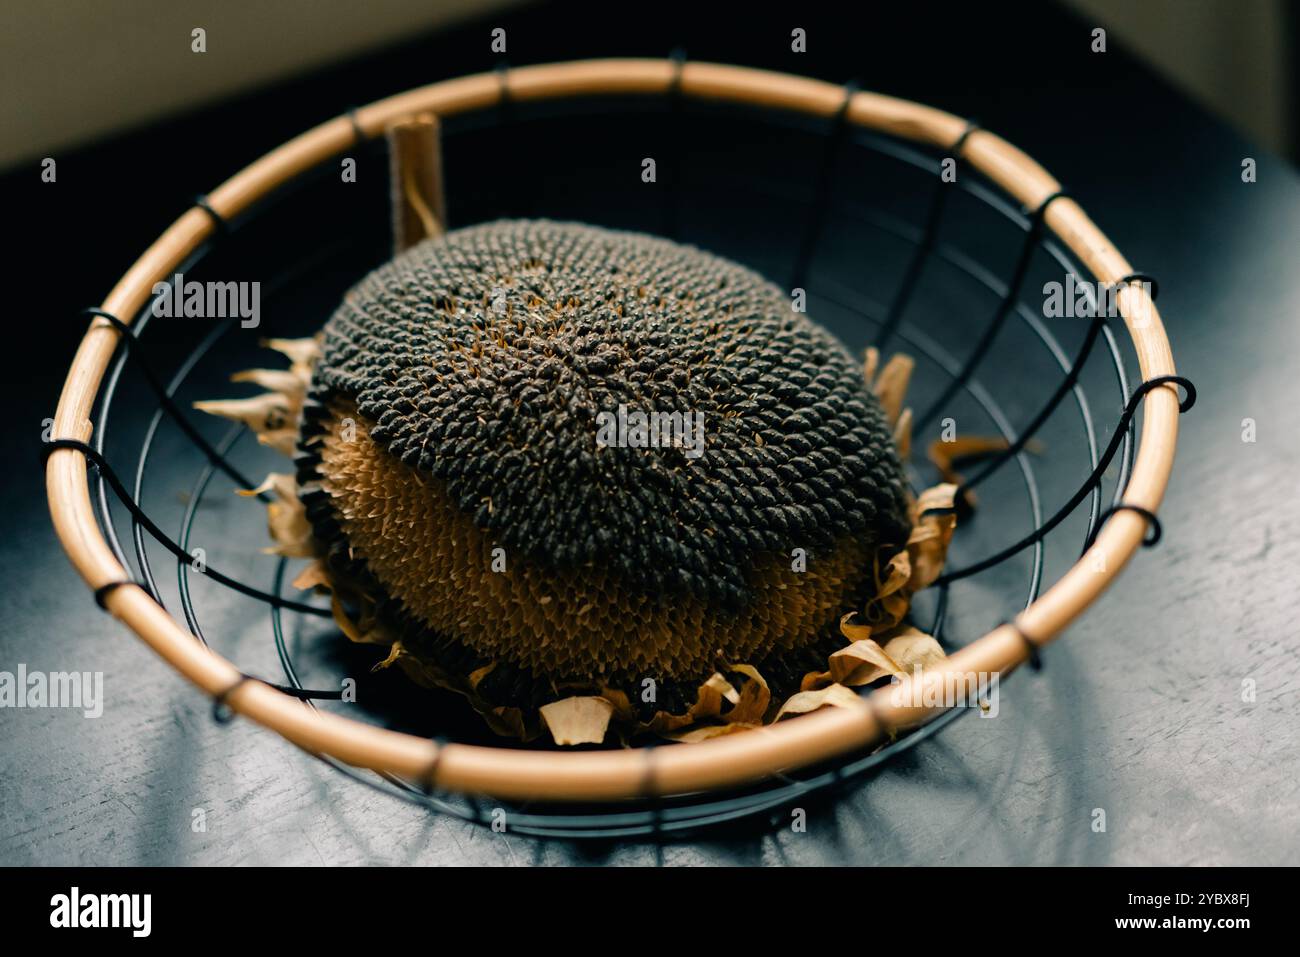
(601, 775)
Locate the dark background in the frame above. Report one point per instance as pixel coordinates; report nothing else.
(1139, 710)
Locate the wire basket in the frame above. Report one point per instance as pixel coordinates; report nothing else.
(908, 227)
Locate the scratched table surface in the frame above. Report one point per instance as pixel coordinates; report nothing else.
(1140, 711)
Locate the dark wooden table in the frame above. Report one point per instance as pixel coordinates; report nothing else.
(1140, 710)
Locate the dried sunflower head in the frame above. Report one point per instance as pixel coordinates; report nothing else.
(469, 454)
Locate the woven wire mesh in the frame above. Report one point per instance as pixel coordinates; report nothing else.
(889, 252)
